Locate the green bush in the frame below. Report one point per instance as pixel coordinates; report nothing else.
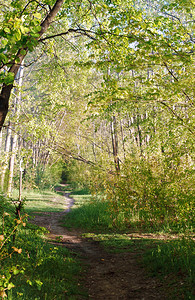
(153, 194)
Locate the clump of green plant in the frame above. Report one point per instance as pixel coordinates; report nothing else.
(10, 222)
(90, 215)
(174, 259)
(155, 193)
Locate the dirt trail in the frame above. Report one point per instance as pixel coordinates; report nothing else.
(107, 276)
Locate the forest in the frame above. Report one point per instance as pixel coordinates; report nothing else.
(97, 106)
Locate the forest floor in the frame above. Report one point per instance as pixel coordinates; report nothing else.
(106, 275)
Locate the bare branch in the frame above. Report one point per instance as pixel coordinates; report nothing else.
(175, 78)
(176, 115)
(83, 31)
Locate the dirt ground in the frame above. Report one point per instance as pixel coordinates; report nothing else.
(107, 275)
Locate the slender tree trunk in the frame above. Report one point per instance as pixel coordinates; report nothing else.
(6, 161)
(123, 140)
(139, 133)
(93, 144)
(1, 141)
(11, 164)
(115, 144)
(20, 182)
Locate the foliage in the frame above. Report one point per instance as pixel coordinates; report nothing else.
(43, 265)
(128, 61)
(47, 177)
(29, 265)
(9, 225)
(159, 194)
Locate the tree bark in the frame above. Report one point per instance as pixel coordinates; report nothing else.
(1, 141)
(11, 164)
(6, 162)
(115, 144)
(139, 133)
(123, 139)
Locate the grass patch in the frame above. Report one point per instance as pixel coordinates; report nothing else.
(174, 260)
(91, 213)
(118, 242)
(42, 201)
(88, 215)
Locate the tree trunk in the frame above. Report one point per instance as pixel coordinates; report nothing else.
(7, 149)
(123, 140)
(93, 144)
(11, 164)
(139, 133)
(115, 144)
(1, 141)
(17, 104)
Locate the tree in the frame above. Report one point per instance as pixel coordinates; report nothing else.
(22, 27)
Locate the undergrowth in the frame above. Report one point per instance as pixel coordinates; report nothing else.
(174, 260)
(30, 267)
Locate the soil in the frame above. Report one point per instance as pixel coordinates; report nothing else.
(106, 275)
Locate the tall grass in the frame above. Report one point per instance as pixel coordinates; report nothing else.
(174, 259)
(89, 215)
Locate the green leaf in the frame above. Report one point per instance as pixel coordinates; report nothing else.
(24, 29)
(23, 52)
(10, 286)
(4, 42)
(39, 284)
(37, 16)
(35, 35)
(3, 58)
(7, 30)
(29, 282)
(17, 35)
(17, 60)
(9, 79)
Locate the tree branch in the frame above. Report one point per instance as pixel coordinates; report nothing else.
(80, 30)
(175, 78)
(82, 159)
(178, 117)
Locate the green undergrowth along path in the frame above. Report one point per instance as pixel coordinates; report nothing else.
(30, 267)
(170, 257)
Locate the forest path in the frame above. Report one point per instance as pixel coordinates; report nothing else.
(107, 275)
